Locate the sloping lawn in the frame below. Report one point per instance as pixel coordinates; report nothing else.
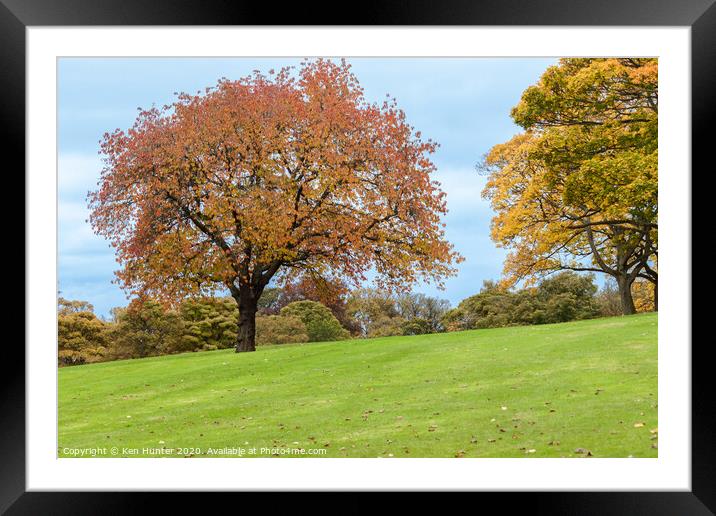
(564, 390)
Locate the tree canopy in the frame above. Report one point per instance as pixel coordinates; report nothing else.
(267, 175)
(578, 190)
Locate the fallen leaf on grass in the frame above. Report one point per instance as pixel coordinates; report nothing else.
(583, 451)
(638, 425)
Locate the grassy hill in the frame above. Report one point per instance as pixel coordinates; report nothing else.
(539, 391)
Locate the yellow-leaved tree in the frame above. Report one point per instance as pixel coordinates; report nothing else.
(578, 189)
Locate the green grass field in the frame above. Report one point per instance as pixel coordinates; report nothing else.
(542, 391)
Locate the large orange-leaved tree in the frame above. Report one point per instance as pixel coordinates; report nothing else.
(264, 177)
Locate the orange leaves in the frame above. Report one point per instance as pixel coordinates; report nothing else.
(265, 172)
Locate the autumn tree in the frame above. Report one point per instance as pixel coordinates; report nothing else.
(426, 312)
(309, 286)
(578, 190)
(144, 329)
(608, 299)
(235, 186)
(71, 306)
(81, 336)
(374, 313)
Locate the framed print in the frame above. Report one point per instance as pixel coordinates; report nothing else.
(416, 250)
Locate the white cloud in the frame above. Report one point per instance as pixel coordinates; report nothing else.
(77, 173)
(74, 233)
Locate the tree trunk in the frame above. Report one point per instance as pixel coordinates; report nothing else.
(624, 285)
(656, 296)
(246, 336)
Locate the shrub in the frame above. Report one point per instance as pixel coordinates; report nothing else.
(416, 326)
(385, 326)
(280, 329)
(82, 338)
(321, 324)
(209, 323)
(568, 296)
(146, 329)
(563, 297)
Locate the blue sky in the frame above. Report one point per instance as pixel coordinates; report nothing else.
(463, 104)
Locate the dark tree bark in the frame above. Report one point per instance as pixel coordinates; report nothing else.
(624, 283)
(247, 295)
(246, 335)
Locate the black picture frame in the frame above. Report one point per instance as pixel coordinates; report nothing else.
(17, 15)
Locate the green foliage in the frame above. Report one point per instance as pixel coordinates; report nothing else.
(568, 297)
(146, 329)
(280, 329)
(270, 301)
(416, 326)
(321, 324)
(331, 292)
(81, 336)
(564, 297)
(209, 323)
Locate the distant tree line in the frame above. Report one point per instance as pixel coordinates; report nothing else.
(317, 309)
